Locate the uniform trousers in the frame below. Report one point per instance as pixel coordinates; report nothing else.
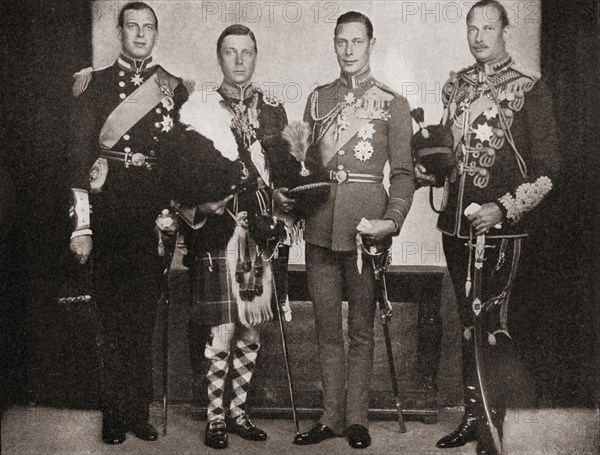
(498, 273)
(346, 379)
(127, 274)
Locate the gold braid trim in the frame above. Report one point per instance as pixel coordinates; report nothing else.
(527, 196)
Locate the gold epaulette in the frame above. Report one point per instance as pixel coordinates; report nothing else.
(82, 80)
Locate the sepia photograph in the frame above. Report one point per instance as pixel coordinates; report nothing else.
(304, 227)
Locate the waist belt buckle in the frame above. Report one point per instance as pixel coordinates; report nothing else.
(340, 176)
(138, 159)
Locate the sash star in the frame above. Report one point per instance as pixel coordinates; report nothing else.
(167, 123)
(137, 79)
(483, 132)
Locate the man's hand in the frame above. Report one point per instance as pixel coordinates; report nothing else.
(167, 223)
(422, 177)
(486, 217)
(214, 208)
(379, 230)
(281, 201)
(82, 247)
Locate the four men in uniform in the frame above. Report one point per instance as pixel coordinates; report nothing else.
(505, 150)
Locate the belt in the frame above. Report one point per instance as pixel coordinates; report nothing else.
(341, 176)
(130, 159)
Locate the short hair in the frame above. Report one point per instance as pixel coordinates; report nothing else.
(494, 3)
(137, 6)
(238, 30)
(355, 16)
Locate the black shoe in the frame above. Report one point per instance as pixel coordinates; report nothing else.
(466, 432)
(216, 434)
(358, 436)
(316, 434)
(245, 428)
(144, 431)
(112, 432)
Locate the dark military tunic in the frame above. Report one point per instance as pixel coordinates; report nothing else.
(359, 125)
(507, 153)
(505, 145)
(117, 163)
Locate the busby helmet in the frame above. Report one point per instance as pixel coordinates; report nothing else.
(433, 146)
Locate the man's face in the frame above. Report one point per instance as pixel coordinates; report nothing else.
(138, 34)
(486, 35)
(352, 47)
(237, 57)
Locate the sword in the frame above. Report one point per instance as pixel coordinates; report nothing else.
(478, 346)
(286, 355)
(169, 242)
(385, 308)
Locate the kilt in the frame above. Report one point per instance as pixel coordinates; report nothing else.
(212, 297)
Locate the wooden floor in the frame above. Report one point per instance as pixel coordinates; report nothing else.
(47, 431)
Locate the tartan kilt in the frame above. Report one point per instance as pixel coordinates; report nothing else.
(212, 299)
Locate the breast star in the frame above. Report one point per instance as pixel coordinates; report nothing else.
(367, 131)
(167, 123)
(483, 132)
(492, 112)
(137, 79)
(363, 151)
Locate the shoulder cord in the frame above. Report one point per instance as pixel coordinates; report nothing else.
(327, 119)
(520, 161)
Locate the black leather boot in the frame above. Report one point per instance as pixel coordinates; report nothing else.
(485, 443)
(467, 430)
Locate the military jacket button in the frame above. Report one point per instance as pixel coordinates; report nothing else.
(157, 124)
(127, 137)
(121, 73)
(127, 149)
(121, 84)
(158, 111)
(122, 96)
(342, 152)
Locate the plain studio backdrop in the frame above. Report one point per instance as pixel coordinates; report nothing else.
(418, 44)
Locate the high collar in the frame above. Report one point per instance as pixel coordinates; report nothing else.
(130, 64)
(235, 91)
(491, 69)
(361, 78)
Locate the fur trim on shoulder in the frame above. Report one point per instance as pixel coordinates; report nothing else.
(205, 113)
